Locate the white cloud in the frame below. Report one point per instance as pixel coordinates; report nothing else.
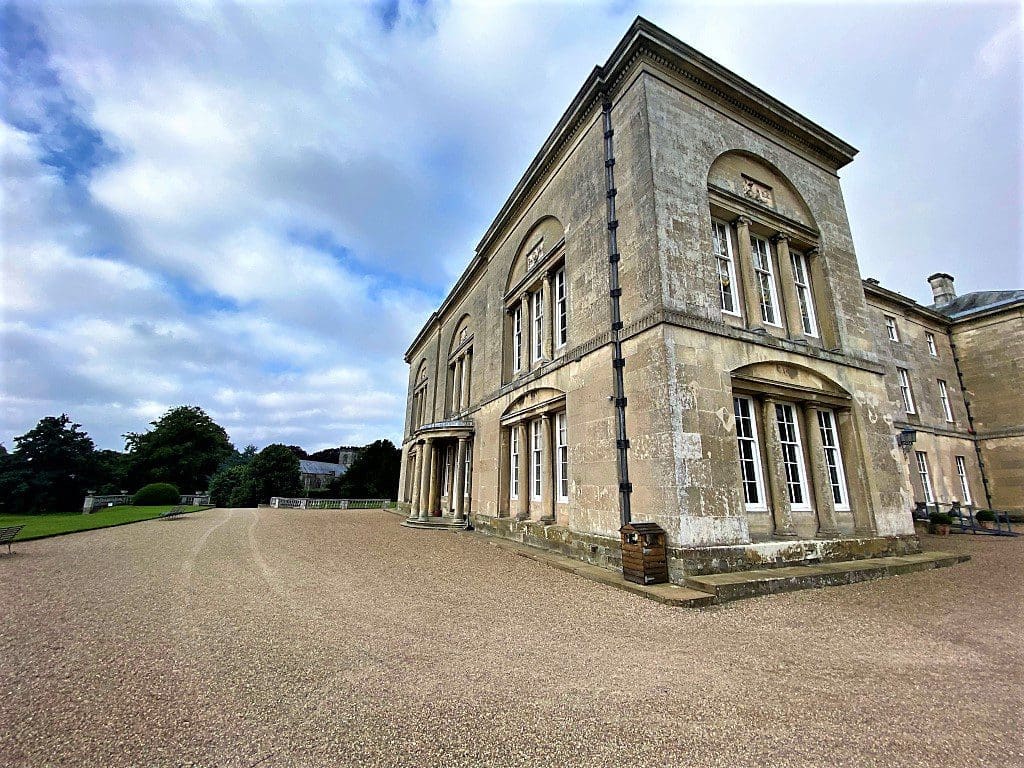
(294, 187)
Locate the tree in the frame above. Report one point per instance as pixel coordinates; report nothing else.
(112, 469)
(274, 472)
(184, 447)
(225, 483)
(50, 469)
(374, 472)
(299, 452)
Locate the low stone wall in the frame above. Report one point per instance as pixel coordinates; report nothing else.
(697, 561)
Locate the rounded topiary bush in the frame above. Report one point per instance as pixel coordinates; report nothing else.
(155, 494)
(985, 516)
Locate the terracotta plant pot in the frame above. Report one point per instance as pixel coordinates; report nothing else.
(941, 529)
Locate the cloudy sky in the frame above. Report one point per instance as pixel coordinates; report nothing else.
(253, 208)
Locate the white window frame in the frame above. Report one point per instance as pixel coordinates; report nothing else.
(829, 428)
(890, 328)
(447, 478)
(517, 337)
(906, 391)
(929, 337)
(536, 461)
(925, 475)
(755, 453)
(804, 295)
(947, 409)
(561, 310)
(561, 458)
(961, 470)
(721, 233)
(514, 457)
(763, 273)
(795, 445)
(537, 308)
(466, 470)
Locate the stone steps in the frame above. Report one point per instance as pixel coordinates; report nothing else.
(436, 524)
(737, 585)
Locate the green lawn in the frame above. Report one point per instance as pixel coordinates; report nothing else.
(39, 526)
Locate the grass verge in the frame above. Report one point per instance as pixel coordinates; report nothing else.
(41, 526)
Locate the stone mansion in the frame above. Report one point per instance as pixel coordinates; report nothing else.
(666, 322)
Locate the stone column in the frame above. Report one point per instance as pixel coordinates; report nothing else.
(823, 499)
(459, 486)
(524, 471)
(849, 428)
(468, 493)
(467, 377)
(547, 496)
(434, 489)
(417, 471)
(782, 512)
(426, 474)
(527, 327)
(751, 295)
(794, 322)
(549, 317)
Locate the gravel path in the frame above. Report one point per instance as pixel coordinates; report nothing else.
(309, 638)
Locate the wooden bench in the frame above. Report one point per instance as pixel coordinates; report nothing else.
(7, 535)
(173, 511)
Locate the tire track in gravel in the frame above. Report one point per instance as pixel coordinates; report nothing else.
(189, 565)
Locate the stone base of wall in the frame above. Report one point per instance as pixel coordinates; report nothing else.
(698, 561)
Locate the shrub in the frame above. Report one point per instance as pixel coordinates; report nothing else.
(155, 494)
(985, 516)
(940, 518)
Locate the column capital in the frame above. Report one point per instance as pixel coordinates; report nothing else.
(811, 252)
(780, 237)
(746, 221)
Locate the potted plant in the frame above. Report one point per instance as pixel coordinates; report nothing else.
(984, 517)
(938, 523)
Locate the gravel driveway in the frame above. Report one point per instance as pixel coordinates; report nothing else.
(288, 637)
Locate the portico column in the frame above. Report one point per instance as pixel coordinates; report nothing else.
(468, 480)
(782, 511)
(526, 325)
(426, 474)
(794, 321)
(417, 470)
(525, 457)
(823, 499)
(434, 490)
(751, 296)
(549, 317)
(459, 486)
(547, 497)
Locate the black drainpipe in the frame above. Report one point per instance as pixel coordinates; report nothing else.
(618, 361)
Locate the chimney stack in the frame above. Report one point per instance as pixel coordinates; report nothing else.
(942, 288)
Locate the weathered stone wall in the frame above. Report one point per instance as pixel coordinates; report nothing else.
(687, 136)
(940, 439)
(991, 350)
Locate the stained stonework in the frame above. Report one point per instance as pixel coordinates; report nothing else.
(793, 371)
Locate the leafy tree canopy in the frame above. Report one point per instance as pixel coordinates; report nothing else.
(274, 472)
(184, 447)
(374, 472)
(50, 468)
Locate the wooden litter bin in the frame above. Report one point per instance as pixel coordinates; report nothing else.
(644, 555)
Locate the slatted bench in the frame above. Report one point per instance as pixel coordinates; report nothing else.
(7, 535)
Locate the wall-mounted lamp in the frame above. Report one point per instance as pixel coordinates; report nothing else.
(906, 439)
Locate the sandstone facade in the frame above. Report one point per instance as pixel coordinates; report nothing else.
(665, 322)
